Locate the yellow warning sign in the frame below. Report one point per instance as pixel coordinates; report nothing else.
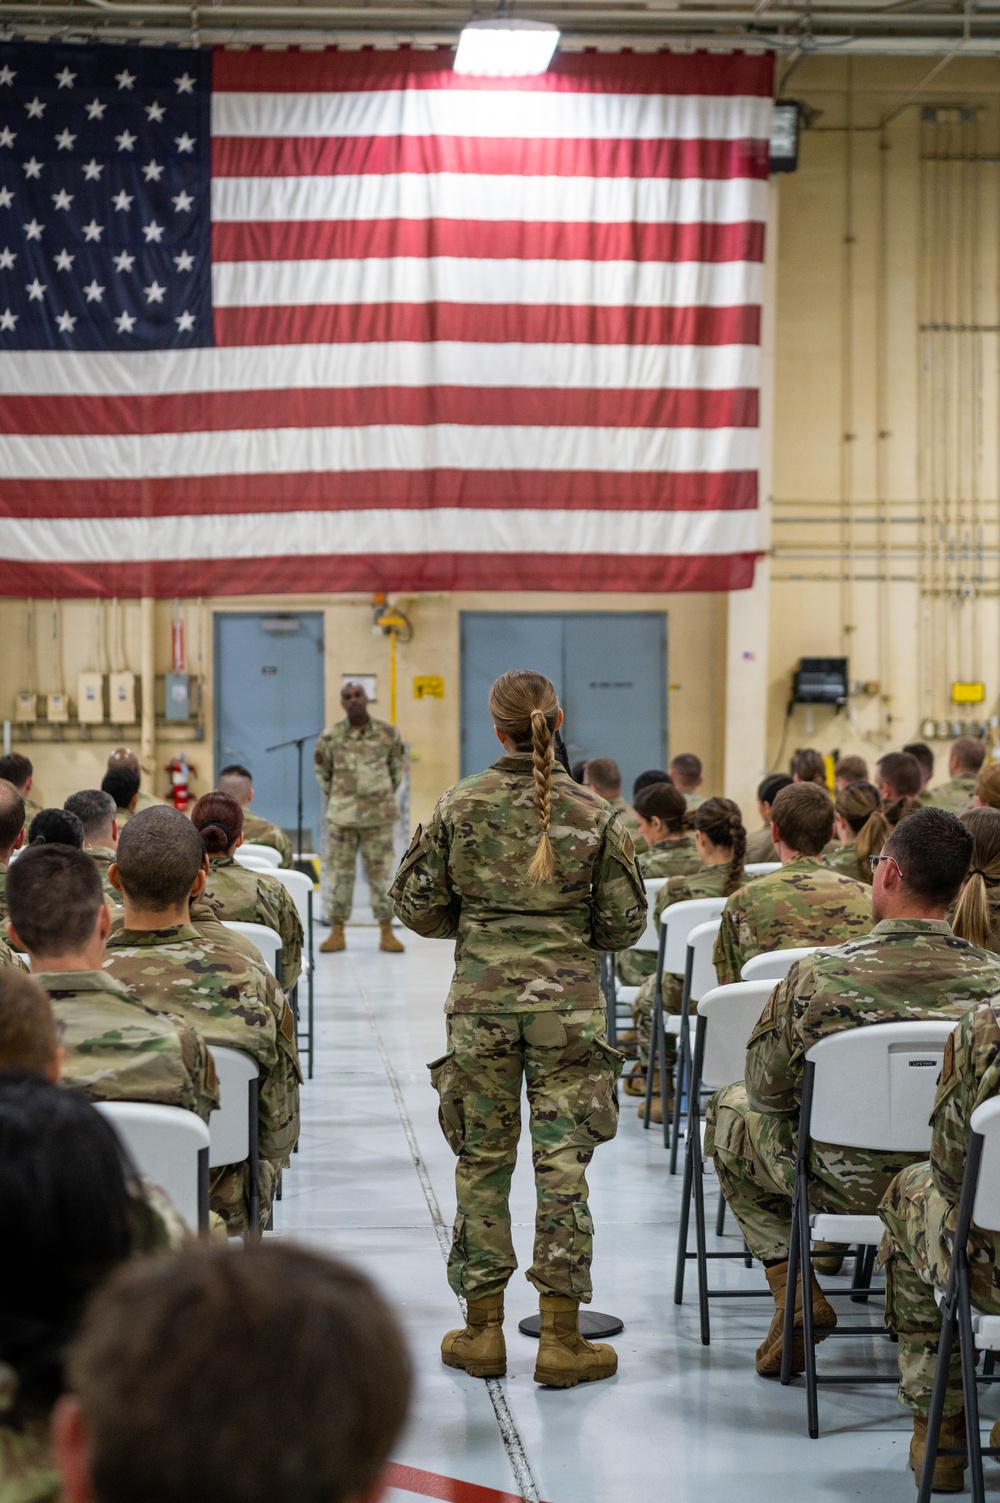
(428, 686)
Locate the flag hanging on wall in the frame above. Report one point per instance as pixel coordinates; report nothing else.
(279, 321)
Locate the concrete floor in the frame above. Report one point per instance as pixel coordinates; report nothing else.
(373, 1181)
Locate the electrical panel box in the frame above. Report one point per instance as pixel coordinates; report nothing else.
(177, 697)
(26, 709)
(820, 681)
(122, 699)
(90, 698)
(57, 708)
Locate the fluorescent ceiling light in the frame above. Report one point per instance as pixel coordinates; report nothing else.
(504, 48)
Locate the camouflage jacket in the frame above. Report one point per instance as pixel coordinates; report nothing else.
(626, 814)
(248, 897)
(230, 1001)
(760, 846)
(4, 912)
(104, 856)
(848, 863)
(970, 1075)
(27, 1467)
(956, 795)
(676, 856)
(521, 946)
(707, 882)
(257, 831)
(116, 1049)
(208, 924)
(9, 956)
(359, 769)
(802, 904)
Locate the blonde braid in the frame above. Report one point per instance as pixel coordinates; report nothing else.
(543, 865)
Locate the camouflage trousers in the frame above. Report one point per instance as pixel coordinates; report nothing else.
(633, 966)
(755, 1154)
(570, 1074)
(340, 859)
(229, 1193)
(642, 1014)
(916, 1250)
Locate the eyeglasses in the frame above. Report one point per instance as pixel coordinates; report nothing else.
(873, 862)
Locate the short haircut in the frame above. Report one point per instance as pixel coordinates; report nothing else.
(663, 801)
(968, 751)
(218, 818)
(11, 814)
(803, 813)
(272, 1373)
(54, 895)
(160, 854)
(28, 1035)
(237, 781)
(648, 778)
(16, 769)
(55, 827)
(933, 850)
(809, 766)
(122, 783)
(124, 756)
(924, 756)
(851, 769)
(603, 774)
(685, 767)
(95, 809)
(902, 773)
(768, 790)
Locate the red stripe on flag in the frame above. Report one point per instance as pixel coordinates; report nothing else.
(517, 323)
(337, 573)
(362, 406)
(624, 72)
(358, 239)
(371, 490)
(326, 156)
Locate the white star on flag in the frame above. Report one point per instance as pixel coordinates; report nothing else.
(126, 141)
(33, 168)
(123, 261)
(65, 322)
(93, 230)
(92, 170)
(182, 202)
(185, 142)
(65, 79)
(7, 258)
(185, 261)
(123, 200)
(34, 230)
(7, 76)
(185, 323)
(8, 319)
(65, 140)
(185, 84)
(155, 111)
(125, 79)
(154, 292)
(62, 199)
(7, 136)
(6, 198)
(95, 110)
(152, 171)
(64, 261)
(94, 292)
(35, 289)
(153, 231)
(35, 108)
(125, 323)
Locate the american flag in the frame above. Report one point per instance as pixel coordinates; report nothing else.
(279, 321)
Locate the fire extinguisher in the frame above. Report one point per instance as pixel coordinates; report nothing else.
(180, 778)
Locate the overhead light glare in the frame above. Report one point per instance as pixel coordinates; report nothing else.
(506, 48)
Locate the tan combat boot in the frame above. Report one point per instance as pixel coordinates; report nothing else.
(828, 1257)
(335, 939)
(634, 1083)
(389, 942)
(949, 1471)
(478, 1348)
(824, 1319)
(564, 1357)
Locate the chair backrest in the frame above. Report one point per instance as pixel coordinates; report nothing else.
(874, 1087)
(702, 942)
(731, 1014)
(649, 939)
(252, 862)
(678, 920)
(761, 868)
(268, 941)
(986, 1207)
(262, 852)
(229, 1125)
(300, 889)
(773, 965)
(164, 1142)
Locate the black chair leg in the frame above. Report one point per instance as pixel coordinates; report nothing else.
(694, 1154)
(720, 1215)
(683, 1071)
(794, 1254)
(685, 1221)
(967, 1352)
(808, 1332)
(938, 1394)
(652, 1057)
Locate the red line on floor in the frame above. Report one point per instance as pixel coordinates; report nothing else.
(449, 1489)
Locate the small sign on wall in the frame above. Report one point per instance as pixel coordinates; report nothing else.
(428, 686)
(368, 682)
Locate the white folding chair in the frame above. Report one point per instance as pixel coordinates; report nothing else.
(298, 885)
(260, 852)
(234, 1127)
(246, 858)
(268, 942)
(977, 1331)
(700, 977)
(774, 965)
(868, 1088)
(649, 943)
(171, 1147)
(761, 868)
(726, 1018)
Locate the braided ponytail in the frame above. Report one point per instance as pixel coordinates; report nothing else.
(721, 822)
(738, 833)
(525, 709)
(543, 863)
(972, 913)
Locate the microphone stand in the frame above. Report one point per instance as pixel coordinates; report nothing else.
(298, 742)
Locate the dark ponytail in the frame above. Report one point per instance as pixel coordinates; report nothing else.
(721, 822)
(219, 821)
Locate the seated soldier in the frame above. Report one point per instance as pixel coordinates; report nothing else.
(647, 778)
(804, 903)
(602, 775)
(55, 827)
(17, 769)
(123, 785)
(976, 915)
(721, 840)
(920, 1209)
(97, 813)
(11, 834)
(910, 966)
(668, 849)
(964, 760)
(124, 756)
(114, 1048)
(241, 895)
(29, 1037)
(686, 774)
(898, 776)
(849, 770)
(760, 846)
(809, 766)
(275, 1375)
(229, 1000)
(925, 758)
(237, 781)
(860, 829)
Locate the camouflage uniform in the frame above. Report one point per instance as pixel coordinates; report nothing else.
(259, 831)
(802, 904)
(116, 1049)
(10, 957)
(956, 795)
(247, 897)
(920, 1209)
(4, 911)
(231, 1002)
(905, 969)
(626, 814)
(694, 801)
(104, 855)
(760, 846)
(359, 769)
(676, 856)
(525, 1000)
(142, 801)
(27, 1467)
(848, 863)
(208, 924)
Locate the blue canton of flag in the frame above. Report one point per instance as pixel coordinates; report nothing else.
(105, 216)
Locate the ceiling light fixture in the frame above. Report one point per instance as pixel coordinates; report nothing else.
(506, 48)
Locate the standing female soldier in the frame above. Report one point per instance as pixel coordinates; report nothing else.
(533, 875)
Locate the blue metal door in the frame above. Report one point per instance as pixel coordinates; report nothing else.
(491, 644)
(269, 688)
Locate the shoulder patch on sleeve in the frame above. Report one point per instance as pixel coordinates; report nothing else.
(628, 846)
(768, 1019)
(418, 836)
(287, 1024)
(948, 1062)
